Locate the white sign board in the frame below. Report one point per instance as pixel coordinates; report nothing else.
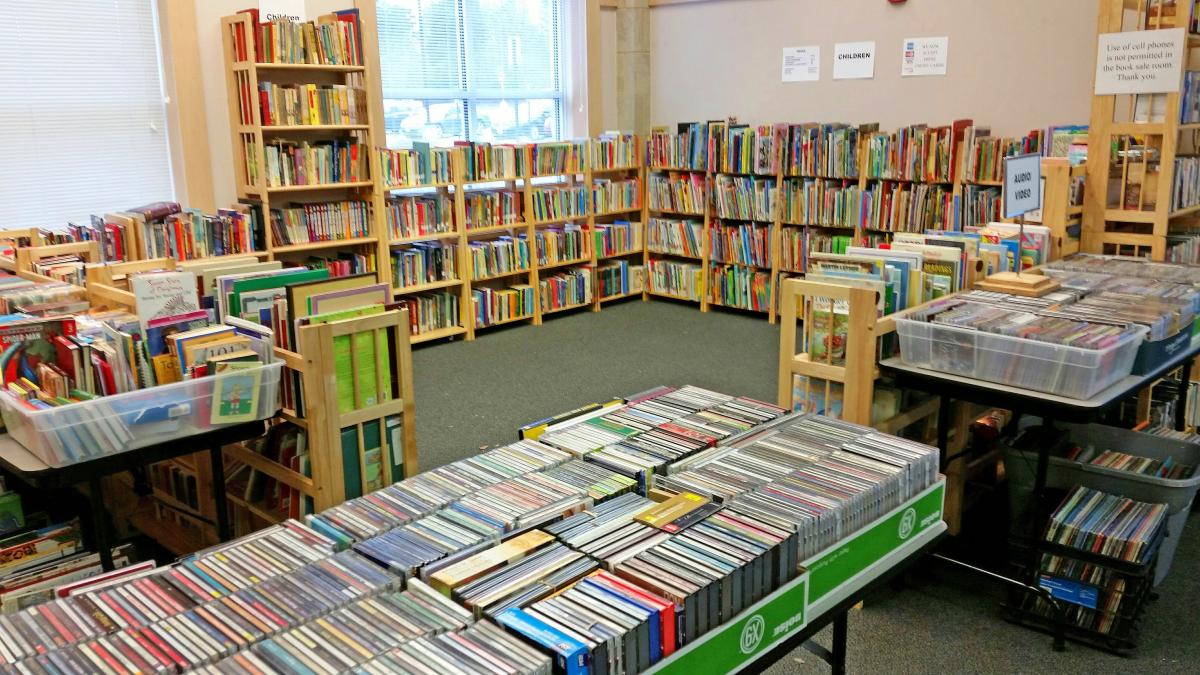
(853, 60)
(274, 10)
(1022, 184)
(924, 56)
(801, 64)
(1140, 61)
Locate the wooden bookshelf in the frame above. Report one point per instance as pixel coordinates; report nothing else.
(1127, 205)
(250, 137)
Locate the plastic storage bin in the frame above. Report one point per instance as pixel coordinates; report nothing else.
(114, 424)
(1061, 473)
(1073, 372)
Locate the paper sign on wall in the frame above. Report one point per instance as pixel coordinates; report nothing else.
(853, 60)
(924, 56)
(801, 64)
(1139, 61)
(273, 10)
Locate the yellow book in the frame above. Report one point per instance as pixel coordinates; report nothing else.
(314, 108)
(465, 571)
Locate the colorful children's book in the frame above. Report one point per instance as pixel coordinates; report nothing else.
(236, 391)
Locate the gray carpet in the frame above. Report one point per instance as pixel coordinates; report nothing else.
(471, 395)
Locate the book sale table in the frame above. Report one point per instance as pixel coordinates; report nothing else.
(18, 462)
(1051, 409)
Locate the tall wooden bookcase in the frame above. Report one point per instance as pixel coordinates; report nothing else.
(1131, 166)
(250, 137)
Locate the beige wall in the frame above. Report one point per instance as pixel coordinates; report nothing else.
(608, 69)
(1014, 64)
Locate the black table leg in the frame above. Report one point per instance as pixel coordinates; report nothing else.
(218, 487)
(943, 424)
(1185, 376)
(839, 644)
(100, 522)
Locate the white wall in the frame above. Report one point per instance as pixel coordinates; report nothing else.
(1014, 64)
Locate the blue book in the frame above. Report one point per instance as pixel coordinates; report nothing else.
(570, 655)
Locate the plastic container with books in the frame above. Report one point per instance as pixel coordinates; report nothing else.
(1063, 473)
(1073, 372)
(112, 424)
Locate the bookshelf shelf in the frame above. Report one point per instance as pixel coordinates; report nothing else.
(320, 186)
(619, 212)
(502, 275)
(651, 251)
(438, 334)
(436, 236)
(621, 254)
(319, 245)
(620, 296)
(672, 296)
(427, 186)
(565, 263)
(684, 214)
(565, 308)
(501, 322)
(307, 67)
(290, 128)
(431, 286)
(493, 229)
(615, 169)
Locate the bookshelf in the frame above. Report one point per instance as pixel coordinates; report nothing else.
(677, 215)
(1130, 207)
(617, 182)
(558, 212)
(303, 128)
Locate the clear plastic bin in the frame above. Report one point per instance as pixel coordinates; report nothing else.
(1061, 473)
(1074, 372)
(112, 424)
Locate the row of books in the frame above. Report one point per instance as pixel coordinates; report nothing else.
(984, 153)
(1122, 461)
(424, 262)
(981, 205)
(419, 216)
(740, 287)
(417, 166)
(827, 203)
(686, 149)
(555, 203)
(907, 207)
(745, 244)
(568, 288)
(619, 278)
(291, 163)
(309, 104)
(501, 305)
(744, 198)
(609, 196)
(347, 263)
(499, 257)
(615, 151)
(913, 153)
(558, 245)
(554, 158)
(1185, 192)
(333, 39)
(618, 238)
(680, 193)
(797, 243)
(753, 150)
(430, 312)
(492, 208)
(39, 298)
(824, 150)
(675, 237)
(676, 279)
(321, 221)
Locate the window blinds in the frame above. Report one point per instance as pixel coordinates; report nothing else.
(82, 120)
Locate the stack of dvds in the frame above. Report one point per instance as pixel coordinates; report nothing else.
(407, 549)
(1107, 525)
(352, 635)
(482, 649)
(600, 483)
(543, 573)
(599, 520)
(527, 501)
(421, 495)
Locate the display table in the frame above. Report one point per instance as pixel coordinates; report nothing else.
(833, 582)
(23, 465)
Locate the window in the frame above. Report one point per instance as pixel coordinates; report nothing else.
(82, 119)
(483, 70)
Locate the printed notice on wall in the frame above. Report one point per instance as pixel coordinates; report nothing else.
(801, 64)
(274, 10)
(924, 56)
(1139, 61)
(853, 60)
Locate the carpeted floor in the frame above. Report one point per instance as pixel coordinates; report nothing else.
(472, 395)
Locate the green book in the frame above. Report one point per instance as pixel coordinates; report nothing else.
(351, 469)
